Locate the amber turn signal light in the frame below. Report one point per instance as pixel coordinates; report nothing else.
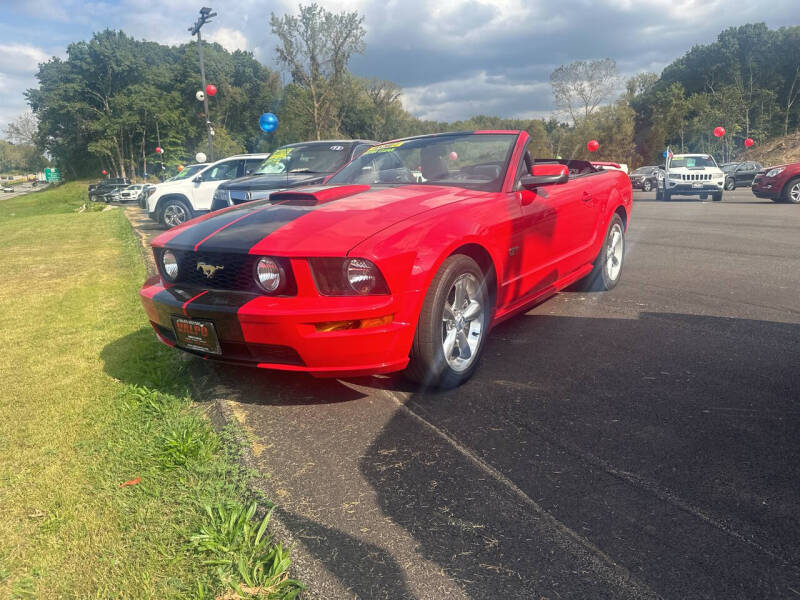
(353, 324)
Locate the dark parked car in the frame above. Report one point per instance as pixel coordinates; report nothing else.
(740, 174)
(646, 178)
(104, 191)
(305, 163)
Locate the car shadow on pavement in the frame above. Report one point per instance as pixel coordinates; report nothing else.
(641, 436)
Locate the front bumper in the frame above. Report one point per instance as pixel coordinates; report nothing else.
(280, 332)
(689, 189)
(766, 188)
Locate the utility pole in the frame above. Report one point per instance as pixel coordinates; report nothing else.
(205, 16)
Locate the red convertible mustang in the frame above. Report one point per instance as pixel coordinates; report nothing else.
(404, 259)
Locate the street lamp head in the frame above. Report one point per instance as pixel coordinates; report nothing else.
(205, 10)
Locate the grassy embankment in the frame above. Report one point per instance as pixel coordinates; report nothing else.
(88, 401)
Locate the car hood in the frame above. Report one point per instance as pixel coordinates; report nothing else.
(311, 221)
(272, 181)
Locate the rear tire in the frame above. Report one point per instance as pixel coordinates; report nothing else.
(175, 212)
(647, 186)
(452, 326)
(607, 269)
(791, 191)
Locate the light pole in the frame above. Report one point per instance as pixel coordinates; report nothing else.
(205, 16)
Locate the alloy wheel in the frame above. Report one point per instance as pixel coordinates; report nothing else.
(174, 215)
(614, 250)
(462, 322)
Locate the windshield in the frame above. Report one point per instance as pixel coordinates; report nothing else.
(312, 158)
(187, 172)
(689, 162)
(642, 171)
(475, 161)
(729, 168)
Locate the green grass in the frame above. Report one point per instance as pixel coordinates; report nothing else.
(89, 400)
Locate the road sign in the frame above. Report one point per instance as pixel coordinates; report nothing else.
(53, 175)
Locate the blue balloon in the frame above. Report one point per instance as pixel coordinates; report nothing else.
(665, 154)
(268, 122)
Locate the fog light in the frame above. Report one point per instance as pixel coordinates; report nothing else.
(170, 265)
(268, 274)
(353, 324)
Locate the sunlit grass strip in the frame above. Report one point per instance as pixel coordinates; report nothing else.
(106, 465)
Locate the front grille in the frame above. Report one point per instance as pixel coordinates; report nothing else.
(236, 272)
(696, 177)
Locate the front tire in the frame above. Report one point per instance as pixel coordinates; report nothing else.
(730, 184)
(791, 191)
(607, 269)
(452, 325)
(716, 196)
(175, 212)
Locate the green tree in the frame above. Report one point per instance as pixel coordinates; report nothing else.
(315, 47)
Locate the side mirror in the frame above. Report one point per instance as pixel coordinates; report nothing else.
(198, 179)
(545, 175)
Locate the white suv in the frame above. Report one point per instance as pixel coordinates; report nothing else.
(691, 175)
(174, 202)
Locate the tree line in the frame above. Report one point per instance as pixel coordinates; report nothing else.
(114, 99)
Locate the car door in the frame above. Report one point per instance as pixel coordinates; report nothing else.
(203, 190)
(551, 234)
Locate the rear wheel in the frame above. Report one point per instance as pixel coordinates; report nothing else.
(647, 186)
(452, 325)
(791, 192)
(175, 212)
(607, 269)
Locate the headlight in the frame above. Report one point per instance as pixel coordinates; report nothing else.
(675, 176)
(268, 275)
(362, 275)
(775, 172)
(347, 277)
(221, 194)
(169, 263)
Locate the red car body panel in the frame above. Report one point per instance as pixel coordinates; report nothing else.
(773, 187)
(535, 243)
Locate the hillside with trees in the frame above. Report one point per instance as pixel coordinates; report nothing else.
(113, 99)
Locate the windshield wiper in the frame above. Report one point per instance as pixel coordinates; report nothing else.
(303, 171)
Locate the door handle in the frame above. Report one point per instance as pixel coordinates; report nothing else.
(586, 197)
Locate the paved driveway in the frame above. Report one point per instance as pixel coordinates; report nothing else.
(641, 443)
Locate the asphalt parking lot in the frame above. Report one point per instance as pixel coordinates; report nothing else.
(641, 443)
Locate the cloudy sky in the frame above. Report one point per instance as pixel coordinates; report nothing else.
(453, 58)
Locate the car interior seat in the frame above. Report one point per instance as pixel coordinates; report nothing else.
(432, 163)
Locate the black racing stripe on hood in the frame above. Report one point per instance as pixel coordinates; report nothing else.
(188, 239)
(244, 234)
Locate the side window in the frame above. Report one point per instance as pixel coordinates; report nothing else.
(251, 164)
(222, 171)
(359, 150)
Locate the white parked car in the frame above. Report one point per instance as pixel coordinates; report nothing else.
(691, 175)
(174, 202)
(130, 193)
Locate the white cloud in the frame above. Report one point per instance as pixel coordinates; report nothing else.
(20, 58)
(230, 39)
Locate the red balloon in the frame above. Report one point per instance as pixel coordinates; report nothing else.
(159, 150)
(211, 90)
(104, 172)
(749, 142)
(592, 146)
(719, 131)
